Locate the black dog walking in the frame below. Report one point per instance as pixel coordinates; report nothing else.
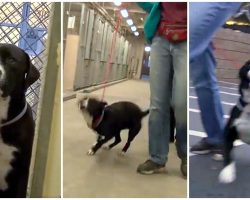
(108, 121)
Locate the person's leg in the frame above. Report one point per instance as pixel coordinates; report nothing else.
(180, 97)
(202, 70)
(180, 101)
(160, 88)
(204, 20)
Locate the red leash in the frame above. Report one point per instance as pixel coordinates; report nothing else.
(108, 66)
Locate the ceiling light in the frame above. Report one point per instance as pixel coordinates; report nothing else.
(147, 49)
(133, 28)
(117, 3)
(124, 13)
(136, 33)
(230, 22)
(141, 18)
(130, 22)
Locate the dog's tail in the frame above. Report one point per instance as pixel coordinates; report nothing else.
(145, 113)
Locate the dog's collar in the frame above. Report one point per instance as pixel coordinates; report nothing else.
(96, 122)
(18, 117)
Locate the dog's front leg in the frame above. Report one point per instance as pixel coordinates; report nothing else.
(98, 145)
(228, 173)
(99, 137)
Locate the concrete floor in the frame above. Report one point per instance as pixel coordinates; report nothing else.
(107, 174)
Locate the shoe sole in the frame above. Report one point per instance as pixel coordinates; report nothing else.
(157, 171)
(201, 152)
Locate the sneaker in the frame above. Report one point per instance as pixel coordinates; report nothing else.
(184, 167)
(203, 147)
(150, 167)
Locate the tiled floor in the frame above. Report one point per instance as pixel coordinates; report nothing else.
(106, 174)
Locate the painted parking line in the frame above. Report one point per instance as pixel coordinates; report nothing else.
(230, 88)
(224, 87)
(228, 83)
(223, 102)
(202, 135)
(198, 111)
(227, 93)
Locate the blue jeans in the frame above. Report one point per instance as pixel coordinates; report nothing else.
(204, 20)
(168, 80)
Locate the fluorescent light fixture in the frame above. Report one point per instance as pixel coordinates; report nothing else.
(117, 3)
(130, 22)
(147, 49)
(133, 28)
(124, 13)
(230, 22)
(136, 33)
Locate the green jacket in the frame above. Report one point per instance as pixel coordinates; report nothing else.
(152, 20)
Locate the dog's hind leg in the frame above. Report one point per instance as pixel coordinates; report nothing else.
(117, 141)
(131, 135)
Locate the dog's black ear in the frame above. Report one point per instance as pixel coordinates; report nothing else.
(32, 74)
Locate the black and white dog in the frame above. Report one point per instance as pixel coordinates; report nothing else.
(108, 121)
(17, 73)
(238, 126)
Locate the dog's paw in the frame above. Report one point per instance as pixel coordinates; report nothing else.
(90, 152)
(106, 147)
(228, 173)
(218, 157)
(121, 153)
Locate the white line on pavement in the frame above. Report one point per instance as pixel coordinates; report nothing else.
(230, 88)
(223, 102)
(227, 82)
(233, 94)
(228, 93)
(198, 111)
(202, 134)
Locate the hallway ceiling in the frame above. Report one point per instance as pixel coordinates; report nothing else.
(135, 13)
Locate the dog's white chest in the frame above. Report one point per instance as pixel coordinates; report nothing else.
(6, 151)
(88, 118)
(6, 156)
(4, 107)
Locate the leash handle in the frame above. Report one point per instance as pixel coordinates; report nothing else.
(108, 66)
